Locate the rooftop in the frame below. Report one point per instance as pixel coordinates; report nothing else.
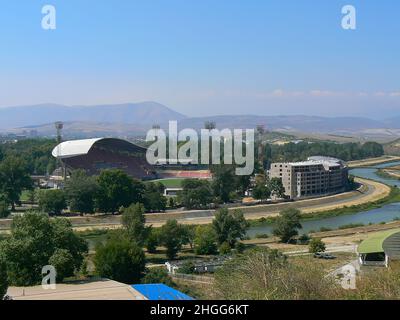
(375, 242)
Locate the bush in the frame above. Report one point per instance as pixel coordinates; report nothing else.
(157, 275)
(187, 267)
(152, 240)
(62, 261)
(205, 240)
(240, 247)
(303, 239)
(316, 245)
(287, 224)
(52, 201)
(120, 259)
(224, 248)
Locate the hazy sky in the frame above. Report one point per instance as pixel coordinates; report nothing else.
(203, 57)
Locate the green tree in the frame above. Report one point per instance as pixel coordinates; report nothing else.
(276, 187)
(196, 194)
(158, 275)
(34, 240)
(316, 245)
(80, 191)
(188, 234)
(133, 220)
(3, 279)
(261, 191)
(205, 241)
(117, 189)
(171, 238)
(14, 178)
(287, 224)
(52, 201)
(224, 181)
(154, 200)
(153, 240)
(63, 261)
(229, 226)
(121, 260)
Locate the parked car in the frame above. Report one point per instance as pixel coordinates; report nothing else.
(322, 255)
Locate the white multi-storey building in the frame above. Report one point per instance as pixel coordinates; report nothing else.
(315, 177)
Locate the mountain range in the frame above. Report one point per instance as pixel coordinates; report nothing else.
(136, 118)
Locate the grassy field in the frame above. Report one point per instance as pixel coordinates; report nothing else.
(171, 183)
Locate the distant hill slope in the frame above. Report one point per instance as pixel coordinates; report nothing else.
(138, 113)
(290, 123)
(133, 119)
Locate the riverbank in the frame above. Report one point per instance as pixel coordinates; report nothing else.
(372, 161)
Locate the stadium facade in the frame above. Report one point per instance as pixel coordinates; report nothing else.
(94, 155)
(317, 176)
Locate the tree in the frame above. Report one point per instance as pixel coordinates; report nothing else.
(188, 234)
(196, 194)
(63, 261)
(3, 279)
(14, 178)
(154, 200)
(52, 201)
(80, 191)
(261, 191)
(224, 181)
(133, 220)
(153, 240)
(158, 275)
(117, 189)
(34, 240)
(4, 212)
(120, 259)
(316, 245)
(276, 187)
(171, 238)
(205, 241)
(229, 226)
(287, 224)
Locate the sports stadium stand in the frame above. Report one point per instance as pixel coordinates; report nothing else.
(94, 155)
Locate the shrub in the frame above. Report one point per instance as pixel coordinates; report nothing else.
(52, 201)
(316, 245)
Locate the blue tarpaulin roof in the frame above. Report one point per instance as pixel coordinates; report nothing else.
(160, 292)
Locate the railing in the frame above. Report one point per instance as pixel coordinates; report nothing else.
(193, 277)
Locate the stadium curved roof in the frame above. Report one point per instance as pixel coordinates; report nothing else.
(74, 148)
(386, 241)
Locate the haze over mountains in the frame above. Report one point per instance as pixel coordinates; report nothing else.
(135, 118)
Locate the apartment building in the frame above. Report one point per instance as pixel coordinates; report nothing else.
(315, 177)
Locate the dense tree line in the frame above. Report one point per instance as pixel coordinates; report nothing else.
(303, 150)
(109, 192)
(36, 153)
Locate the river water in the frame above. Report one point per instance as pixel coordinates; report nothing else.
(384, 214)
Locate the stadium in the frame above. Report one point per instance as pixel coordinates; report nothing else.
(95, 155)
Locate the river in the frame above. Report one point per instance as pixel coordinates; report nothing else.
(384, 214)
